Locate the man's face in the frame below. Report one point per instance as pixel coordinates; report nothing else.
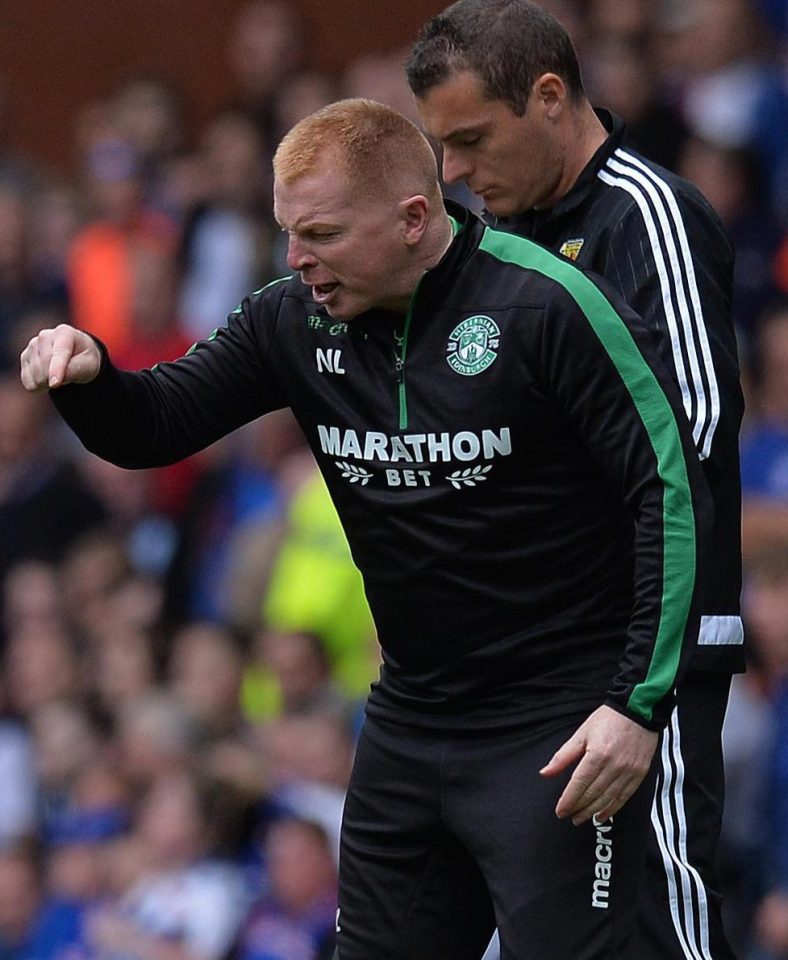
(513, 163)
(347, 248)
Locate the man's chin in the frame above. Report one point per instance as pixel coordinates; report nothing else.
(337, 313)
(347, 306)
(500, 206)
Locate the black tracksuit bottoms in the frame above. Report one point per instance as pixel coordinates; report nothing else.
(447, 835)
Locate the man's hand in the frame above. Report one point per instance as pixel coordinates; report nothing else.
(59, 356)
(615, 754)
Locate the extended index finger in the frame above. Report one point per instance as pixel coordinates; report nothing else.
(63, 346)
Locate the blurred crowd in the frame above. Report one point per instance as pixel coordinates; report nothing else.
(185, 651)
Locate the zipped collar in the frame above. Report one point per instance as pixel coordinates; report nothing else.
(582, 186)
(469, 231)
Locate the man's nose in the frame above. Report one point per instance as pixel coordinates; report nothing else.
(298, 255)
(454, 167)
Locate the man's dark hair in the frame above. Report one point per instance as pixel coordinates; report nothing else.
(508, 43)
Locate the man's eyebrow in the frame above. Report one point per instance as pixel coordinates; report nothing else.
(307, 221)
(313, 219)
(462, 131)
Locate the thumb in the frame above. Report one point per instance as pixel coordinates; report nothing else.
(572, 751)
(74, 358)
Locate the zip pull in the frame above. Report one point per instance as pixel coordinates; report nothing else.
(400, 352)
(399, 373)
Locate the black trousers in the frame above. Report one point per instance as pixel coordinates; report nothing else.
(680, 916)
(446, 836)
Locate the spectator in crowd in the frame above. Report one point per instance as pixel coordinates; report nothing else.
(67, 741)
(155, 333)
(316, 587)
(748, 737)
(123, 666)
(133, 501)
(41, 667)
(239, 496)
(136, 602)
(379, 77)
(206, 667)
(44, 503)
(185, 904)
(293, 676)
(575, 18)
(100, 263)
(308, 761)
(156, 735)
(30, 597)
(54, 222)
(621, 76)
(726, 71)
(266, 48)
(226, 248)
(149, 113)
(301, 95)
(94, 566)
(31, 927)
(294, 920)
(768, 600)
(98, 812)
(19, 794)
(15, 283)
(15, 166)
(765, 443)
(623, 19)
(730, 178)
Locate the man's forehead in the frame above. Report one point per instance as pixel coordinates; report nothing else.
(455, 106)
(311, 197)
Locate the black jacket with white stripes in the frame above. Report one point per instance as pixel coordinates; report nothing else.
(658, 241)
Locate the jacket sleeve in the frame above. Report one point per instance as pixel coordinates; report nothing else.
(603, 370)
(154, 417)
(673, 264)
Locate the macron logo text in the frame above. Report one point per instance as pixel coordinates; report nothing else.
(603, 866)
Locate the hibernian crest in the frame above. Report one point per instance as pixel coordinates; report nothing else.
(473, 345)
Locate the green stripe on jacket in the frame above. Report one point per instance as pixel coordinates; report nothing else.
(678, 519)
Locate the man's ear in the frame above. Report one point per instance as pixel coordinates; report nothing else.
(549, 90)
(414, 214)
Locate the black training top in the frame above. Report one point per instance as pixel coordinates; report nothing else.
(658, 241)
(511, 464)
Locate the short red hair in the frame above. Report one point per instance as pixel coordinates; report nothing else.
(380, 149)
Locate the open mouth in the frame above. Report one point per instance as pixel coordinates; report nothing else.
(322, 291)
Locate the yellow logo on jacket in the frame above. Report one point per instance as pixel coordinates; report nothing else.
(572, 248)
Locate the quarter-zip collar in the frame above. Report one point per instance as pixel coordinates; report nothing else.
(469, 230)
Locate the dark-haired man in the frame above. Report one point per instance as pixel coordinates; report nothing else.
(514, 123)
